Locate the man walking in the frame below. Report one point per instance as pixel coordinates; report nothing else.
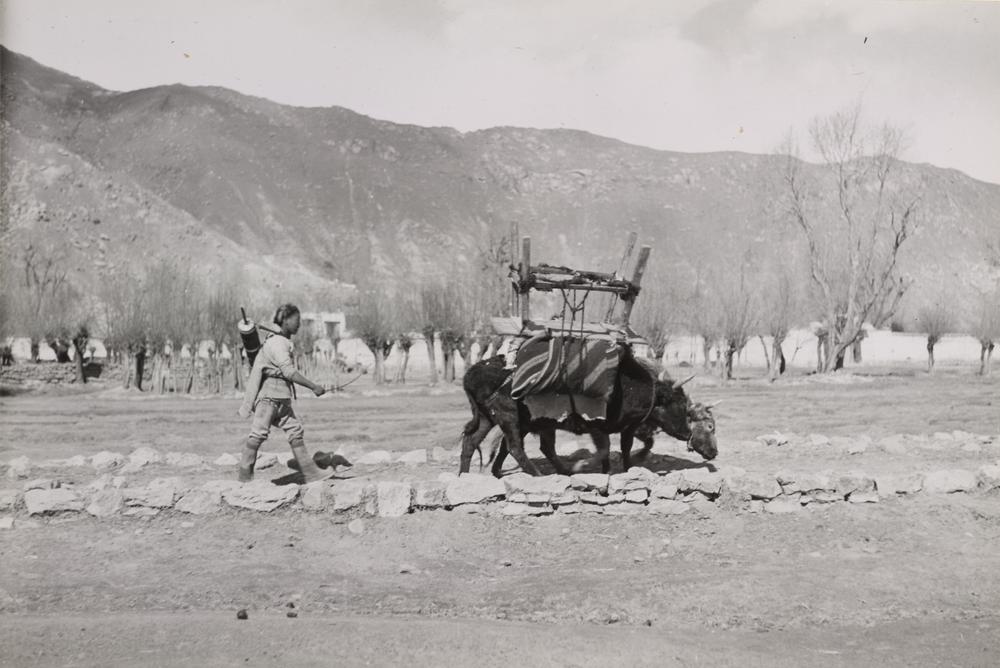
(269, 395)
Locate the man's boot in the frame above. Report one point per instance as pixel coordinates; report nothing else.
(323, 460)
(248, 459)
(310, 472)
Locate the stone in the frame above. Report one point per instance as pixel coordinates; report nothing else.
(75, 461)
(972, 447)
(106, 460)
(864, 497)
(474, 488)
(823, 496)
(889, 485)
(447, 476)
(227, 459)
(988, 477)
(141, 511)
(667, 507)
(593, 498)
(6, 523)
(702, 504)
(852, 482)
(429, 494)
(184, 459)
(266, 460)
(159, 493)
(44, 501)
(948, 481)
(375, 458)
(700, 480)
(566, 498)
(624, 482)
(261, 496)
(754, 486)
(783, 504)
(356, 527)
(355, 494)
(41, 483)
(857, 448)
(202, 501)
(960, 435)
(413, 458)
(597, 482)
(394, 498)
(818, 439)
(894, 445)
(221, 486)
(313, 495)
(663, 490)
(9, 499)
(775, 439)
(756, 506)
(18, 467)
(539, 489)
(143, 456)
(943, 436)
(636, 496)
(106, 502)
(524, 509)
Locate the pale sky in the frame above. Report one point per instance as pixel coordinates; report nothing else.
(687, 75)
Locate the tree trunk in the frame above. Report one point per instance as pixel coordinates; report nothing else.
(767, 357)
(777, 367)
(985, 353)
(431, 356)
(61, 350)
(931, 341)
(730, 352)
(706, 350)
(839, 364)
(140, 367)
(379, 365)
(34, 350)
(856, 351)
(401, 372)
(78, 358)
(127, 368)
(449, 363)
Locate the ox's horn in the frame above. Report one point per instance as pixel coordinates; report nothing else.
(713, 404)
(662, 376)
(680, 383)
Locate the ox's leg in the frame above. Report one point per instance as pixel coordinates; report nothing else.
(473, 434)
(512, 436)
(626, 443)
(498, 461)
(547, 437)
(647, 442)
(603, 444)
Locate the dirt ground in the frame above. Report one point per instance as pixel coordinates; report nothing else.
(911, 581)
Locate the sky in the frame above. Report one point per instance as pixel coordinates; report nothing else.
(691, 75)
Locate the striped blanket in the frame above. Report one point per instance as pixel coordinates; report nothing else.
(561, 365)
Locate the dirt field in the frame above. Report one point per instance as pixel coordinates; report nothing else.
(902, 582)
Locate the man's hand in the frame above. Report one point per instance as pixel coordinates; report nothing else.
(319, 390)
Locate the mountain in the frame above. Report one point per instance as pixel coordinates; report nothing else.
(326, 196)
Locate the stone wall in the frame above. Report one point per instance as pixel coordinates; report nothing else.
(34, 489)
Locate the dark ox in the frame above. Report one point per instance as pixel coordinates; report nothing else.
(640, 405)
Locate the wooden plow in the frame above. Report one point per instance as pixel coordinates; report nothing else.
(574, 285)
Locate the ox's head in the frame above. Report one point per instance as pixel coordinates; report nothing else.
(675, 414)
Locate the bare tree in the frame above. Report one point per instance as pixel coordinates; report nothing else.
(126, 323)
(779, 306)
(985, 326)
(855, 219)
(935, 320)
(374, 324)
(738, 312)
(658, 315)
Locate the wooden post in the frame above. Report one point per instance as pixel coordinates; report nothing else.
(626, 256)
(515, 305)
(640, 268)
(525, 270)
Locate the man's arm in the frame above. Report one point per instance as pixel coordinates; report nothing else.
(283, 360)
